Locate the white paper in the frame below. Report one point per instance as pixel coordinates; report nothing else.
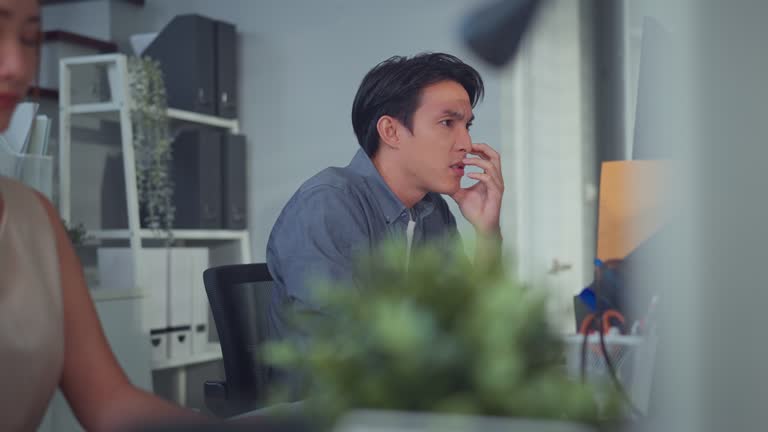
(38, 138)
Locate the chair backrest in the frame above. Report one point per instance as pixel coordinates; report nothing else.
(240, 297)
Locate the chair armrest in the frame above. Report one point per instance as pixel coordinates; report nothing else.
(215, 390)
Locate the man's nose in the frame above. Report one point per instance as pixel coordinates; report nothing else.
(464, 141)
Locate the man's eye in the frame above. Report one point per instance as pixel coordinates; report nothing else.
(447, 123)
(469, 125)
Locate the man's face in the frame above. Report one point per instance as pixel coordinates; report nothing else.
(19, 47)
(432, 155)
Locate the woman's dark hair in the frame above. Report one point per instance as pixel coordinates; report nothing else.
(393, 88)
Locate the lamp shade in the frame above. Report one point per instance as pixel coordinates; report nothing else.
(494, 31)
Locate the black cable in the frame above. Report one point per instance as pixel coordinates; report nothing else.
(590, 327)
(583, 364)
(597, 321)
(614, 376)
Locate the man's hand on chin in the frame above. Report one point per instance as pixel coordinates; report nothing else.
(480, 204)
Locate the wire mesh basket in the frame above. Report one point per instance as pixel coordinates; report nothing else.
(631, 356)
(619, 349)
(35, 171)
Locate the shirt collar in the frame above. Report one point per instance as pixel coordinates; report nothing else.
(390, 204)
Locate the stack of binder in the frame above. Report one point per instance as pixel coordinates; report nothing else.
(176, 309)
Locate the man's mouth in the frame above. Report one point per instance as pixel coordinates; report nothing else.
(458, 169)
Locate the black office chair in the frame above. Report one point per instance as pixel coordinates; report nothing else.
(240, 297)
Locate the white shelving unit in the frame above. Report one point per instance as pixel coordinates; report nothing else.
(177, 234)
(192, 117)
(231, 246)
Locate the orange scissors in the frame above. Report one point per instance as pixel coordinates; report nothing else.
(588, 325)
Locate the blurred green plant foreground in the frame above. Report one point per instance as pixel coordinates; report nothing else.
(439, 335)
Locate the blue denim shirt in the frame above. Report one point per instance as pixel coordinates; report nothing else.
(336, 215)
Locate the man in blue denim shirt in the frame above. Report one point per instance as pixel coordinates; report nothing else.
(412, 118)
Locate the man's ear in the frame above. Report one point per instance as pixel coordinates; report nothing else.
(389, 134)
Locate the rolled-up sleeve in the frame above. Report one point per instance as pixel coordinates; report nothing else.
(317, 237)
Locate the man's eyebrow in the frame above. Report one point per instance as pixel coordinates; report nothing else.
(457, 115)
(5, 13)
(454, 114)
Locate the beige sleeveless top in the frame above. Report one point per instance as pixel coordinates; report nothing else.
(31, 316)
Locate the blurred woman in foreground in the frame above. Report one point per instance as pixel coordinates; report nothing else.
(50, 336)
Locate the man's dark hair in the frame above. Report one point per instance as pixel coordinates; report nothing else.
(394, 86)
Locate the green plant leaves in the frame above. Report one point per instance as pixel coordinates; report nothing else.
(152, 143)
(437, 335)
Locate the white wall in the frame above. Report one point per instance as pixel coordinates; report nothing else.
(301, 63)
(549, 153)
(84, 18)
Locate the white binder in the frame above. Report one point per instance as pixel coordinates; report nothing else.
(180, 303)
(200, 308)
(116, 273)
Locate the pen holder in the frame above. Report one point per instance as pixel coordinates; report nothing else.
(33, 170)
(633, 358)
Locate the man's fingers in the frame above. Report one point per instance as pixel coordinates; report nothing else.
(490, 181)
(486, 152)
(489, 168)
(482, 163)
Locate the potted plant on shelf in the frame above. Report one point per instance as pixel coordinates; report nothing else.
(152, 143)
(77, 233)
(438, 337)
